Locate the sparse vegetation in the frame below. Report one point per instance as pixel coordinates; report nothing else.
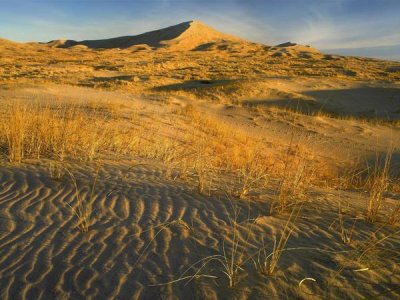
(267, 262)
(177, 134)
(378, 182)
(83, 205)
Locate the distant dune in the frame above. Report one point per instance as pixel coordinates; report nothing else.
(383, 52)
(4, 42)
(190, 36)
(184, 36)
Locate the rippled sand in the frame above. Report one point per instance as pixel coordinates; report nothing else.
(147, 230)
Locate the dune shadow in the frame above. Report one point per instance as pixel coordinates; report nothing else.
(298, 105)
(367, 102)
(112, 78)
(152, 39)
(193, 84)
(372, 165)
(204, 47)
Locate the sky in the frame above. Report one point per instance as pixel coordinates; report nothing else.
(324, 24)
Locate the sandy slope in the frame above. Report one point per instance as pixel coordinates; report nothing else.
(147, 229)
(44, 255)
(334, 141)
(184, 36)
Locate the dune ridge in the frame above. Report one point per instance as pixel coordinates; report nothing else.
(183, 36)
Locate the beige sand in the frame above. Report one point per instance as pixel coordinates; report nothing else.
(45, 256)
(184, 36)
(149, 225)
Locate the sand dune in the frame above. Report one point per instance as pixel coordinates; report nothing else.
(293, 50)
(7, 43)
(184, 36)
(205, 151)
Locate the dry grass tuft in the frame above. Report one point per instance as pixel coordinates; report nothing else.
(83, 207)
(378, 182)
(267, 262)
(296, 175)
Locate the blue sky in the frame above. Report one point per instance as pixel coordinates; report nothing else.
(324, 24)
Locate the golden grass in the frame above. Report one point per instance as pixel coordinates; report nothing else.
(35, 131)
(290, 113)
(378, 181)
(203, 148)
(83, 206)
(206, 147)
(267, 262)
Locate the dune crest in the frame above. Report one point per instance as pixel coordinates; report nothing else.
(184, 36)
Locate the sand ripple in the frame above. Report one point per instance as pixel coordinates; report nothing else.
(134, 240)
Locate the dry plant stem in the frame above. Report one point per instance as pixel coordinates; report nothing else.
(230, 260)
(346, 234)
(15, 131)
(394, 217)
(231, 263)
(373, 244)
(271, 261)
(163, 227)
(294, 177)
(379, 182)
(252, 173)
(84, 207)
(197, 274)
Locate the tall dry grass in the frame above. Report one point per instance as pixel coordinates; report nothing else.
(71, 130)
(83, 206)
(203, 148)
(37, 131)
(267, 262)
(378, 182)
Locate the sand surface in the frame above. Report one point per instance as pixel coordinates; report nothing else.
(147, 231)
(153, 233)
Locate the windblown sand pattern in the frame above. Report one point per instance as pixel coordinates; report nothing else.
(147, 230)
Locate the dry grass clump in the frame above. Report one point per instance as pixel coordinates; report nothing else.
(207, 148)
(378, 182)
(217, 154)
(230, 262)
(253, 173)
(70, 130)
(219, 150)
(83, 206)
(235, 257)
(267, 262)
(376, 178)
(203, 168)
(345, 230)
(35, 131)
(297, 173)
